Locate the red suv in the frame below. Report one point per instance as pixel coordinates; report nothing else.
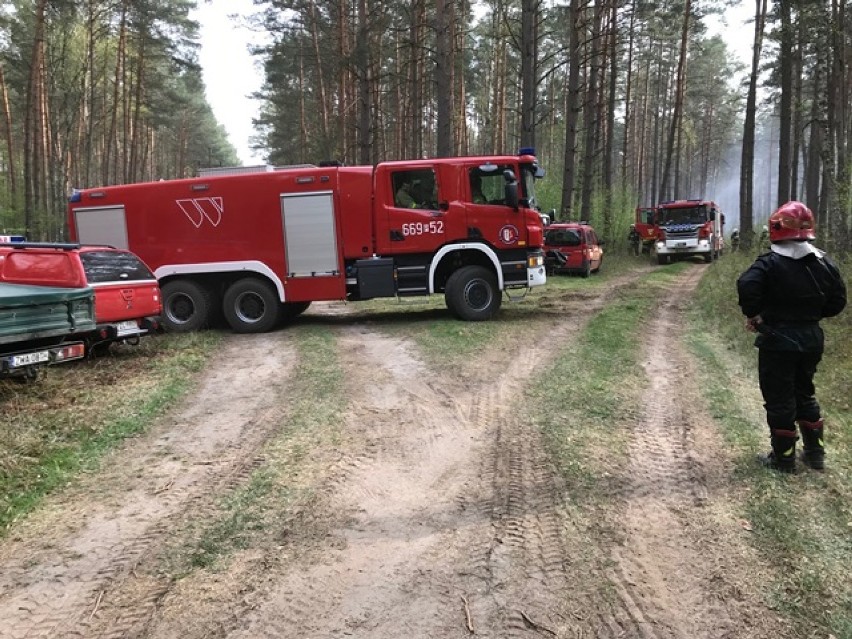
(572, 248)
(127, 297)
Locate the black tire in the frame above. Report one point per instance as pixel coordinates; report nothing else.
(472, 294)
(291, 310)
(598, 269)
(587, 269)
(251, 306)
(709, 257)
(99, 349)
(186, 306)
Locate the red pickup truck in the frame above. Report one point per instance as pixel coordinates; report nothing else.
(127, 297)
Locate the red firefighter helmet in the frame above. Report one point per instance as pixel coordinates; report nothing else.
(791, 221)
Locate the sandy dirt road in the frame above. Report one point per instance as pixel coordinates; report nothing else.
(441, 514)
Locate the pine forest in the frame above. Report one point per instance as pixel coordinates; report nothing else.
(627, 102)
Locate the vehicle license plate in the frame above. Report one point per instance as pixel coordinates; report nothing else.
(30, 358)
(129, 327)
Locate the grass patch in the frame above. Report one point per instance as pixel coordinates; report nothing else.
(801, 524)
(64, 423)
(597, 377)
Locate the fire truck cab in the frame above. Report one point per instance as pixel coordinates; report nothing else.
(688, 228)
(259, 247)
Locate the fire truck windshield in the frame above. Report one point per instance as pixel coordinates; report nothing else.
(684, 215)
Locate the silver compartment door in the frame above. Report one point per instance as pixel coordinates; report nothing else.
(101, 225)
(309, 234)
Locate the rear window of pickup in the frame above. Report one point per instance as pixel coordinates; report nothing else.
(114, 266)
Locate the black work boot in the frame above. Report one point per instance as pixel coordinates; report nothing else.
(782, 457)
(814, 453)
(781, 464)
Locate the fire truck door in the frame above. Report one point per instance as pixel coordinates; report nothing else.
(646, 223)
(310, 237)
(489, 216)
(101, 225)
(420, 213)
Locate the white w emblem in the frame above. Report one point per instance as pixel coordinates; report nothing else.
(197, 209)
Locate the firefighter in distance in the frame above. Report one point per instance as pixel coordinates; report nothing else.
(784, 294)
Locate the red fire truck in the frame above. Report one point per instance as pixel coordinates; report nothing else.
(259, 247)
(687, 228)
(646, 226)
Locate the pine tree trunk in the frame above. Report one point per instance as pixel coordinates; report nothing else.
(571, 109)
(7, 129)
(529, 70)
(680, 90)
(444, 18)
(785, 104)
(747, 159)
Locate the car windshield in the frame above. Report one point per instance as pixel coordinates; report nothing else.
(113, 266)
(562, 237)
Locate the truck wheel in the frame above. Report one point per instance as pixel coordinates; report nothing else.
(251, 306)
(472, 294)
(709, 257)
(186, 306)
(587, 269)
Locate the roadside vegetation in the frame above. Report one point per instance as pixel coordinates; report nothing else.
(583, 402)
(62, 425)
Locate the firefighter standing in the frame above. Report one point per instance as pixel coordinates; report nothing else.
(635, 239)
(784, 294)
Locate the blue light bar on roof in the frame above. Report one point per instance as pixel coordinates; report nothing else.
(8, 239)
(527, 150)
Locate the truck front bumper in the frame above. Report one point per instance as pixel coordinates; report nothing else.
(682, 247)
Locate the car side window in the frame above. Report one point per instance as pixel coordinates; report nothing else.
(114, 266)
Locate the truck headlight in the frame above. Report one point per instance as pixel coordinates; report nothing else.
(534, 261)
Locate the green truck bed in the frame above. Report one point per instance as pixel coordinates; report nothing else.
(36, 322)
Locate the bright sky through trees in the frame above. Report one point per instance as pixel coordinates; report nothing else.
(231, 74)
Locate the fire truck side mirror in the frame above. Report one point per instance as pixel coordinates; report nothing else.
(511, 198)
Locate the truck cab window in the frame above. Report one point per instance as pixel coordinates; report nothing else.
(415, 189)
(488, 186)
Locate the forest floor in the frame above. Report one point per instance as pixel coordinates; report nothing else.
(432, 509)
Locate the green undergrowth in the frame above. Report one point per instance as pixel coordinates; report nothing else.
(801, 524)
(64, 423)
